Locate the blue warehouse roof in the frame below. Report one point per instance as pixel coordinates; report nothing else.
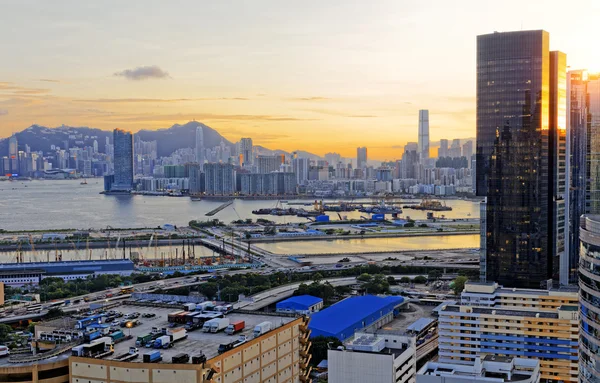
(344, 318)
(302, 302)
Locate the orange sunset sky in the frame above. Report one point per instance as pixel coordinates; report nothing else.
(314, 75)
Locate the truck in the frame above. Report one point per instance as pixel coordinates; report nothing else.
(132, 354)
(152, 357)
(231, 345)
(219, 324)
(207, 324)
(172, 316)
(199, 359)
(262, 328)
(117, 336)
(162, 342)
(180, 358)
(143, 339)
(177, 334)
(189, 306)
(205, 306)
(234, 327)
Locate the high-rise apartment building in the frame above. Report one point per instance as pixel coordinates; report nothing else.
(300, 167)
(268, 164)
(219, 179)
(467, 151)
(123, 161)
(200, 146)
(423, 148)
(589, 299)
(516, 139)
(361, 157)
(246, 152)
(443, 149)
(455, 149)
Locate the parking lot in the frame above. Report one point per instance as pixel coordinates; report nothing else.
(197, 341)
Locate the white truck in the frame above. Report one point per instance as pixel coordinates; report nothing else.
(177, 334)
(207, 324)
(219, 324)
(204, 306)
(262, 328)
(189, 306)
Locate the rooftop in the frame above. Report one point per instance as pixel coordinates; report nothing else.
(196, 341)
(306, 300)
(507, 311)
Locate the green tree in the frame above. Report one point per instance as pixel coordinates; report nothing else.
(5, 330)
(320, 345)
(420, 279)
(55, 312)
(405, 280)
(317, 277)
(458, 285)
(364, 277)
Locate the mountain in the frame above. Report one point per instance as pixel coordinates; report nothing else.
(41, 138)
(261, 150)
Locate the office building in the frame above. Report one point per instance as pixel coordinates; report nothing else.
(496, 369)
(333, 158)
(493, 320)
(123, 161)
(219, 179)
(443, 149)
(583, 151)
(361, 157)
(200, 146)
(455, 149)
(589, 299)
(13, 154)
(247, 156)
(367, 357)
(423, 148)
(467, 151)
(516, 171)
(268, 164)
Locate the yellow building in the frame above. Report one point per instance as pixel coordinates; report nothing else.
(1, 293)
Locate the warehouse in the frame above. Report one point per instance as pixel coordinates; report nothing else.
(302, 304)
(344, 318)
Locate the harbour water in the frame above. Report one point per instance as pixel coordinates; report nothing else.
(43, 205)
(350, 246)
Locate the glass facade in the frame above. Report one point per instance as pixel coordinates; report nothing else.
(589, 299)
(123, 143)
(513, 164)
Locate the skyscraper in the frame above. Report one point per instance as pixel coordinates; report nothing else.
(123, 142)
(361, 157)
(200, 146)
(515, 161)
(300, 167)
(268, 164)
(13, 153)
(423, 148)
(443, 149)
(219, 179)
(246, 151)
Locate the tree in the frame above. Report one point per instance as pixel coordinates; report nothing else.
(55, 312)
(320, 345)
(419, 279)
(364, 277)
(391, 280)
(405, 280)
(5, 330)
(458, 285)
(317, 277)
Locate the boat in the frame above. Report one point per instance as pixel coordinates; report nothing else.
(429, 204)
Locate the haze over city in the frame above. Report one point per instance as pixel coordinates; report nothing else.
(305, 75)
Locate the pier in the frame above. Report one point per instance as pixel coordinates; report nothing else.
(215, 211)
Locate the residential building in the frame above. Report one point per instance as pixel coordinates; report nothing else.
(246, 152)
(301, 167)
(423, 148)
(219, 179)
(455, 149)
(361, 157)
(123, 161)
(493, 320)
(516, 139)
(268, 164)
(200, 156)
(196, 178)
(493, 368)
(467, 151)
(589, 299)
(443, 149)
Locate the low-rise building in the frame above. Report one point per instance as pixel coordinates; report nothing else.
(302, 304)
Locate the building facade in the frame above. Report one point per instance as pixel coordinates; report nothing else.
(589, 299)
(123, 161)
(219, 179)
(246, 152)
(423, 134)
(361, 157)
(514, 155)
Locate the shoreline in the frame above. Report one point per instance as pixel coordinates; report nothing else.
(326, 237)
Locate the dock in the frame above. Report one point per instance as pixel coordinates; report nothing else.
(215, 211)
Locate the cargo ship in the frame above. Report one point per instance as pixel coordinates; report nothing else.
(429, 204)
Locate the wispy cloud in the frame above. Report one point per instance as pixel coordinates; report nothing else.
(156, 100)
(314, 98)
(203, 117)
(331, 112)
(362, 116)
(48, 80)
(143, 73)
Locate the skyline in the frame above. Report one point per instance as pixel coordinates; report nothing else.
(315, 77)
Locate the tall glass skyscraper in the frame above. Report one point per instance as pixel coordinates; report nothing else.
(123, 144)
(423, 134)
(361, 157)
(515, 162)
(589, 299)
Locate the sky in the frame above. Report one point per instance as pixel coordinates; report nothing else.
(322, 76)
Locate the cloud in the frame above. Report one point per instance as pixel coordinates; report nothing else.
(202, 116)
(48, 80)
(331, 112)
(156, 100)
(143, 73)
(314, 98)
(362, 116)
(3, 112)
